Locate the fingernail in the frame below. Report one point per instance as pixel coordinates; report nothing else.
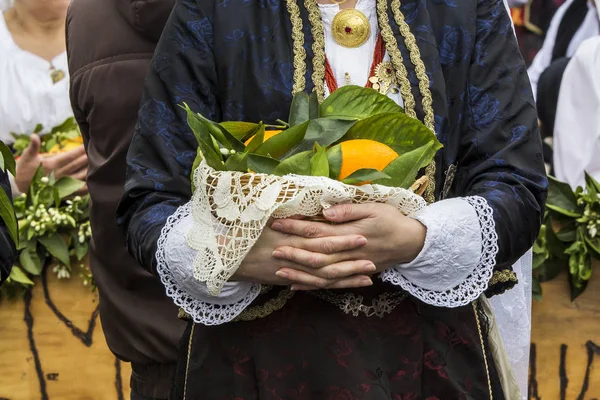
(361, 241)
(329, 213)
(282, 274)
(276, 226)
(370, 268)
(277, 254)
(294, 288)
(366, 282)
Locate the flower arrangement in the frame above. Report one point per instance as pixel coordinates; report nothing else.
(53, 221)
(569, 239)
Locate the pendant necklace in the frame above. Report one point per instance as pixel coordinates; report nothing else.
(350, 28)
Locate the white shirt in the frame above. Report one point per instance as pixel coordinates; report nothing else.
(589, 28)
(27, 94)
(577, 126)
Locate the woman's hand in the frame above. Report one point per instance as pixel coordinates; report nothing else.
(392, 238)
(261, 266)
(72, 163)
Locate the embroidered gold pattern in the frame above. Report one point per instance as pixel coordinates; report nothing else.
(450, 173)
(504, 277)
(264, 310)
(384, 79)
(394, 52)
(187, 364)
(485, 361)
(298, 47)
(352, 304)
(350, 28)
(318, 33)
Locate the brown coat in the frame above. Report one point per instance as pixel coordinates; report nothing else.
(110, 44)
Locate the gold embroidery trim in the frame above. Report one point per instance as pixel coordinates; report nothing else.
(391, 45)
(266, 309)
(485, 361)
(450, 174)
(504, 277)
(352, 304)
(187, 364)
(298, 47)
(318, 47)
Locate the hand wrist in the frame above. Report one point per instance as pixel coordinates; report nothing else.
(416, 241)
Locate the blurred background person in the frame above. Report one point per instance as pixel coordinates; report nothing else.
(8, 251)
(34, 84)
(110, 44)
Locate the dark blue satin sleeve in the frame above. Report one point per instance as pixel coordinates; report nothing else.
(8, 251)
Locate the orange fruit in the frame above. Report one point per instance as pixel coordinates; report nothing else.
(364, 153)
(268, 135)
(66, 146)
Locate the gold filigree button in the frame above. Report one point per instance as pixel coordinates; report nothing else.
(350, 28)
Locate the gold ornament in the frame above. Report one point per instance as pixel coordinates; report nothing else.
(57, 75)
(350, 28)
(384, 79)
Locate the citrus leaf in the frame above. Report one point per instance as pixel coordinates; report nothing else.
(195, 166)
(220, 133)
(237, 162)
(365, 175)
(592, 185)
(30, 262)
(404, 169)
(257, 140)
(240, 130)
(334, 156)
(8, 160)
(324, 131)
(213, 158)
(280, 144)
(398, 131)
(57, 247)
(7, 213)
(300, 109)
(298, 164)
(594, 244)
(68, 125)
(562, 199)
(67, 185)
(357, 103)
(319, 166)
(18, 275)
(262, 164)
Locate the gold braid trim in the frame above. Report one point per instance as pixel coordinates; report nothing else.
(187, 363)
(427, 102)
(391, 45)
(487, 369)
(262, 311)
(298, 47)
(504, 277)
(318, 33)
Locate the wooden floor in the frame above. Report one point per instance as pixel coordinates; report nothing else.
(69, 368)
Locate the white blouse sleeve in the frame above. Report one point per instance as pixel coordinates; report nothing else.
(458, 257)
(175, 267)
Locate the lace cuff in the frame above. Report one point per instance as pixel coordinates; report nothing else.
(459, 255)
(175, 267)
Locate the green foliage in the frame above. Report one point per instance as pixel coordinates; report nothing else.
(569, 238)
(68, 130)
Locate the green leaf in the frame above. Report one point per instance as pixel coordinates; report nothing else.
(8, 160)
(262, 164)
(398, 131)
(357, 103)
(365, 175)
(240, 130)
(324, 131)
(561, 198)
(38, 128)
(594, 244)
(213, 158)
(257, 140)
(537, 289)
(592, 185)
(334, 156)
(550, 269)
(195, 166)
(280, 144)
(17, 275)
(237, 162)
(217, 131)
(30, 262)
(300, 109)
(298, 164)
(67, 126)
(7, 213)
(319, 166)
(67, 186)
(81, 249)
(57, 247)
(404, 169)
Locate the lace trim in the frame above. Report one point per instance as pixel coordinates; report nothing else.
(476, 283)
(201, 312)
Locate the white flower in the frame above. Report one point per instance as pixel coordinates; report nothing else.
(224, 152)
(593, 231)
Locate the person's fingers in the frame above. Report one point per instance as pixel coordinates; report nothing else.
(295, 276)
(307, 229)
(33, 149)
(348, 283)
(58, 160)
(348, 212)
(340, 270)
(81, 174)
(323, 251)
(72, 167)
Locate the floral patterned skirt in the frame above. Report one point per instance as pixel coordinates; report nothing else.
(312, 350)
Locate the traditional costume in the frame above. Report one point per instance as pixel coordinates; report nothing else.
(422, 330)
